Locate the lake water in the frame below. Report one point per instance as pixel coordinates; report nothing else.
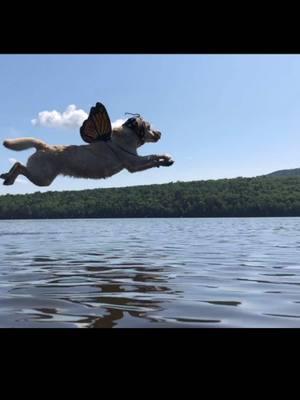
(156, 273)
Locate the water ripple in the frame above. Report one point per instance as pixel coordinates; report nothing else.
(234, 272)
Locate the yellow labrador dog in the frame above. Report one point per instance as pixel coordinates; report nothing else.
(108, 151)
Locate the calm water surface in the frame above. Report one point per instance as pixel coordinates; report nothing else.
(104, 273)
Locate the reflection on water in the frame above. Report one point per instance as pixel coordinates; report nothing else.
(239, 272)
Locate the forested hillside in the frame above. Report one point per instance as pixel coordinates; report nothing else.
(260, 196)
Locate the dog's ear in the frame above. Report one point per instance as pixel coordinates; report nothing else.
(138, 125)
(97, 126)
(131, 123)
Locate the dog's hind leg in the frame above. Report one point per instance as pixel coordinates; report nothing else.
(19, 169)
(9, 176)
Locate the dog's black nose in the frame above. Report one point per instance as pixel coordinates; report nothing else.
(157, 136)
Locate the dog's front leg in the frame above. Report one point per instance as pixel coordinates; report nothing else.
(135, 164)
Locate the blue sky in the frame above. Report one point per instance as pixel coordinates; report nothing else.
(221, 116)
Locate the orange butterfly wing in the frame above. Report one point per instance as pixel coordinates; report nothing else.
(97, 126)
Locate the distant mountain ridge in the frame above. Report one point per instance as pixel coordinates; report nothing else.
(285, 172)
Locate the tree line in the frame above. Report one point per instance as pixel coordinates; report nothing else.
(240, 197)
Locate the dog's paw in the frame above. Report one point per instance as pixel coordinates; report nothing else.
(166, 161)
(7, 179)
(7, 182)
(3, 176)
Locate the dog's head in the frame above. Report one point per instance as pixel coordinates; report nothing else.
(143, 130)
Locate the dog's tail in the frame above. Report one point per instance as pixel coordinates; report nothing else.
(24, 144)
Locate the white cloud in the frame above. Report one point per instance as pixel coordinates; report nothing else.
(117, 123)
(12, 160)
(72, 117)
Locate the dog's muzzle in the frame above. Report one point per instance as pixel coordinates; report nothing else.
(157, 135)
